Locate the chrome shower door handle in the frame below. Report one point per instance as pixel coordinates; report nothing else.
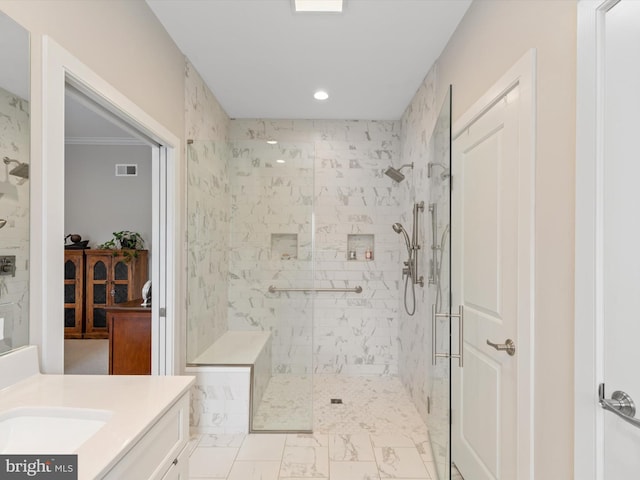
(620, 404)
(508, 346)
(460, 317)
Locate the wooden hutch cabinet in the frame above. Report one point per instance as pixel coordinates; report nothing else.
(112, 276)
(95, 280)
(73, 293)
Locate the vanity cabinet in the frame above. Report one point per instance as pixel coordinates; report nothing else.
(161, 454)
(112, 277)
(73, 293)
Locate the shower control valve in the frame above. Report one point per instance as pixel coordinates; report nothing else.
(8, 265)
(406, 271)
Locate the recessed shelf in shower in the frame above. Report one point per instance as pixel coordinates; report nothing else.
(284, 246)
(360, 247)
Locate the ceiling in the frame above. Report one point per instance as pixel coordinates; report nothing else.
(85, 123)
(262, 60)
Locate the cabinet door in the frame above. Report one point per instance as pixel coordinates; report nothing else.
(98, 294)
(120, 279)
(129, 342)
(111, 278)
(73, 293)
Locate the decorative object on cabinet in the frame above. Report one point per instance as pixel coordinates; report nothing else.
(146, 294)
(129, 242)
(129, 338)
(76, 242)
(360, 247)
(112, 277)
(73, 293)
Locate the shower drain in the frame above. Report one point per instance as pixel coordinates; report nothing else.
(336, 400)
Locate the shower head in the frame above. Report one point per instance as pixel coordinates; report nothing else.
(22, 170)
(398, 228)
(396, 174)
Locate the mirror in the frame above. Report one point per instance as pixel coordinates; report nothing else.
(14, 185)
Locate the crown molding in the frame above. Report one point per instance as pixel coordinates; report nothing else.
(122, 141)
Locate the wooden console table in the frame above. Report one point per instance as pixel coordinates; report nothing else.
(129, 338)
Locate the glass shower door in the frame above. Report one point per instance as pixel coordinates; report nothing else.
(442, 318)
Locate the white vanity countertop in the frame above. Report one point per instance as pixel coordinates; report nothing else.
(136, 401)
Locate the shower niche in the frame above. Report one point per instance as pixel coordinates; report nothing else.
(360, 247)
(284, 246)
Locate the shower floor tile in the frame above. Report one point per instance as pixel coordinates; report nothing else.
(369, 405)
(375, 433)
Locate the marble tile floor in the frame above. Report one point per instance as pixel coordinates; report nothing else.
(376, 433)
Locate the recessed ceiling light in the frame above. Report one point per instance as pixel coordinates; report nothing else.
(321, 95)
(280, 161)
(317, 5)
(272, 142)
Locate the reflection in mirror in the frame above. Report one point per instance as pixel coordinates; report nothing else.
(14, 185)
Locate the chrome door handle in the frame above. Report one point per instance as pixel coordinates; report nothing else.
(621, 404)
(508, 346)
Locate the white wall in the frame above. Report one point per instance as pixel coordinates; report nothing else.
(492, 36)
(97, 203)
(121, 40)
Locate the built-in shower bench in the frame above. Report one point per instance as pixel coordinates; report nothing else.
(231, 376)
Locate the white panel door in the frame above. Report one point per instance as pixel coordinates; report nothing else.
(485, 266)
(620, 248)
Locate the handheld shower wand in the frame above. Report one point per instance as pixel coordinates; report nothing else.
(398, 228)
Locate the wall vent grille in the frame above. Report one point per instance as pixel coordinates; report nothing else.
(126, 170)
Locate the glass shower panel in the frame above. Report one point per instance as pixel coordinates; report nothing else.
(250, 247)
(439, 371)
(270, 257)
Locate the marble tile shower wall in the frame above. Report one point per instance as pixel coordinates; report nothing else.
(14, 207)
(414, 332)
(334, 169)
(208, 209)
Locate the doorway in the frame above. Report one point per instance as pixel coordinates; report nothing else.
(607, 433)
(62, 70)
(107, 197)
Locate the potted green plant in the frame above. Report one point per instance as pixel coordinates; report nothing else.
(126, 242)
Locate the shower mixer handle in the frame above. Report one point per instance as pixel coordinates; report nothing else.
(406, 270)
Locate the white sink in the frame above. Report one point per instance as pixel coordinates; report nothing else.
(43, 430)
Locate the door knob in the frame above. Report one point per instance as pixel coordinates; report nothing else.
(508, 346)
